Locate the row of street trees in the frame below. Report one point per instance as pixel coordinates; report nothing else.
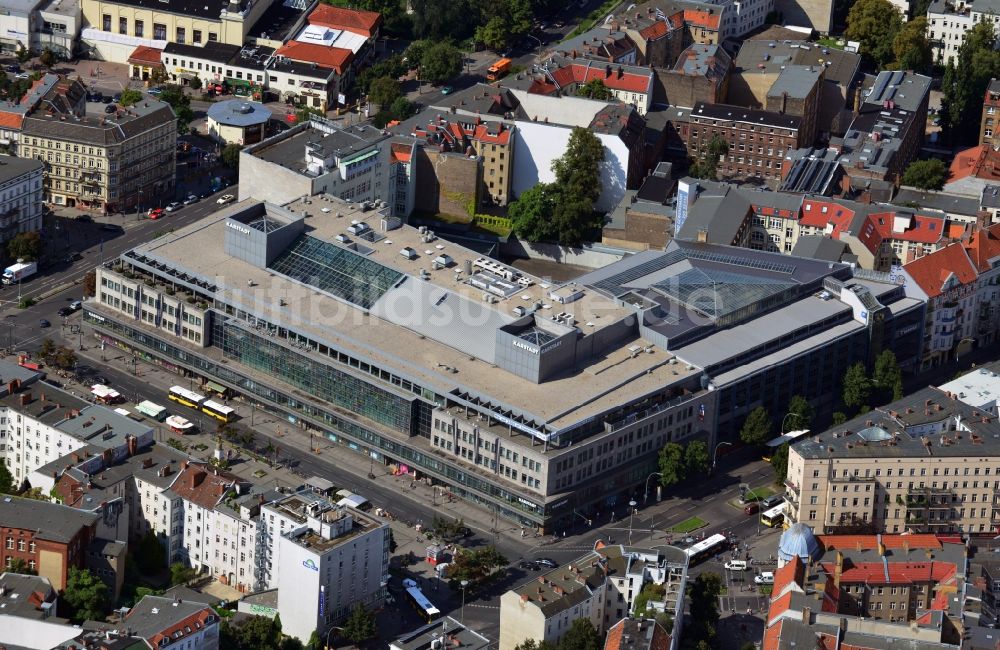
(886, 40)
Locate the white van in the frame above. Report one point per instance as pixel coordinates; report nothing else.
(737, 565)
(764, 578)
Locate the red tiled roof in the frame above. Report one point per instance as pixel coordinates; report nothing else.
(700, 18)
(654, 31)
(193, 624)
(145, 55)
(930, 272)
(772, 637)
(660, 638)
(11, 120)
(983, 246)
(500, 137)
(925, 229)
(196, 484)
(899, 572)
(542, 87)
(966, 162)
(356, 21)
(400, 152)
(792, 571)
(335, 58)
(868, 542)
(838, 215)
(612, 77)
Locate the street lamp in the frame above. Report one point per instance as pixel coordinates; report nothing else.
(715, 454)
(781, 429)
(327, 645)
(631, 515)
(138, 204)
(465, 583)
(20, 260)
(645, 496)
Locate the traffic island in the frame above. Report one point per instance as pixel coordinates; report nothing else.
(688, 525)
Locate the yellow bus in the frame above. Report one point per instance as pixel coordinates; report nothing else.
(774, 516)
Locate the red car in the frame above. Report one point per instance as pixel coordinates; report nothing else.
(156, 213)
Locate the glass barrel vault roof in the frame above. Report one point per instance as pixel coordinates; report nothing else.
(336, 270)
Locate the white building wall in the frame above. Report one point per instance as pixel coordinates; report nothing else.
(537, 144)
(22, 196)
(946, 31)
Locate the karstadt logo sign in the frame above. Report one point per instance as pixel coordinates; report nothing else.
(310, 564)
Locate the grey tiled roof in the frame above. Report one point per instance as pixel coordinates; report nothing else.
(51, 521)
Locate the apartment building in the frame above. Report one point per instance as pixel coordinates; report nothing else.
(20, 196)
(325, 559)
(629, 84)
(991, 120)
(949, 20)
(108, 163)
(869, 591)
(430, 635)
(48, 538)
(960, 284)
(173, 624)
(925, 463)
(757, 140)
(599, 586)
(114, 28)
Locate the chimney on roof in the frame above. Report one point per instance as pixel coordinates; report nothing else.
(806, 615)
(607, 71)
(197, 478)
(132, 444)
(25, 399)
(838, 569)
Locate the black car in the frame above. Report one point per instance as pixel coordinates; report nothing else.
(94, 97)
(528, 565)
(13, 67)
(85, 218)
(44, 323)
(546, 562)
(117, 98)
(106, 99)
(110, 108)
(65, 311)
(73, 257)
(101, 379)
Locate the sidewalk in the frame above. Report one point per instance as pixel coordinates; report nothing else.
(284, 434)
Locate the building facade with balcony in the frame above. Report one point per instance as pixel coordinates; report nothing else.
(926, 463)
(989, 129)
(948, 21)
(108, 163)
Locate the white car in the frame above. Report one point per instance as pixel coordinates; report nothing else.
(172, 206)
(764, 578)
(737, 565)
(226, 198)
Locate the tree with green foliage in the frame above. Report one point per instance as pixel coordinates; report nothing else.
(911, 48)
(757, 427)
(696, 458)
(779, 461)
(651, 591)
(64, 358)
(707, 164)
(531, 213)
(195, 83)
(875, 24)
(383, 92)
(130, 97)
(595, 89)
(402, 109)
(25, 245)
(22, 54)
(19, 565)
(359, 626)
(251, 633)
(799, 414)
(181, 103)
(231, 155)
(749, 645)
(839, 417)
(964, 84)
(477, 566)
(581, 635)
(181, 574)
(46, 349)
(887, 378)
(440, 62)
(48, 58)
(86, 594)
(703, 603)
(671, 464)
(495, 34)
(532, 644)
(929, 174)
(89, 284)
(150, 557)
(857, 387)
(391, 67)
(6, 478)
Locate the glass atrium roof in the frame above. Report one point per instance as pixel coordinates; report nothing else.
(336, 270)
(718, 293)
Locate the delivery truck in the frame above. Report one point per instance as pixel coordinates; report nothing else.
(19, 272)
(498, 69)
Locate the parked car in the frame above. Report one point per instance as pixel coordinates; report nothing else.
(737, 565)
(528, 565)
(22, 75)
(447, 90)
(106, 99)
(226, 198)
(65, 311)
(771, 501)
(172, 206)
(546, 562)
(155, 213)
(73, 257)
(752, 508)
(764, 578)
(110, 108)
(101, 379)
(76, 305)
(191, 198)
(117, 97)
(155, 92)
(13, 67)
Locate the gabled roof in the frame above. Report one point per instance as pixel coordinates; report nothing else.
(932, 271)
(11, 120)
(144, 54)
(334, 58)
(356, 21)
